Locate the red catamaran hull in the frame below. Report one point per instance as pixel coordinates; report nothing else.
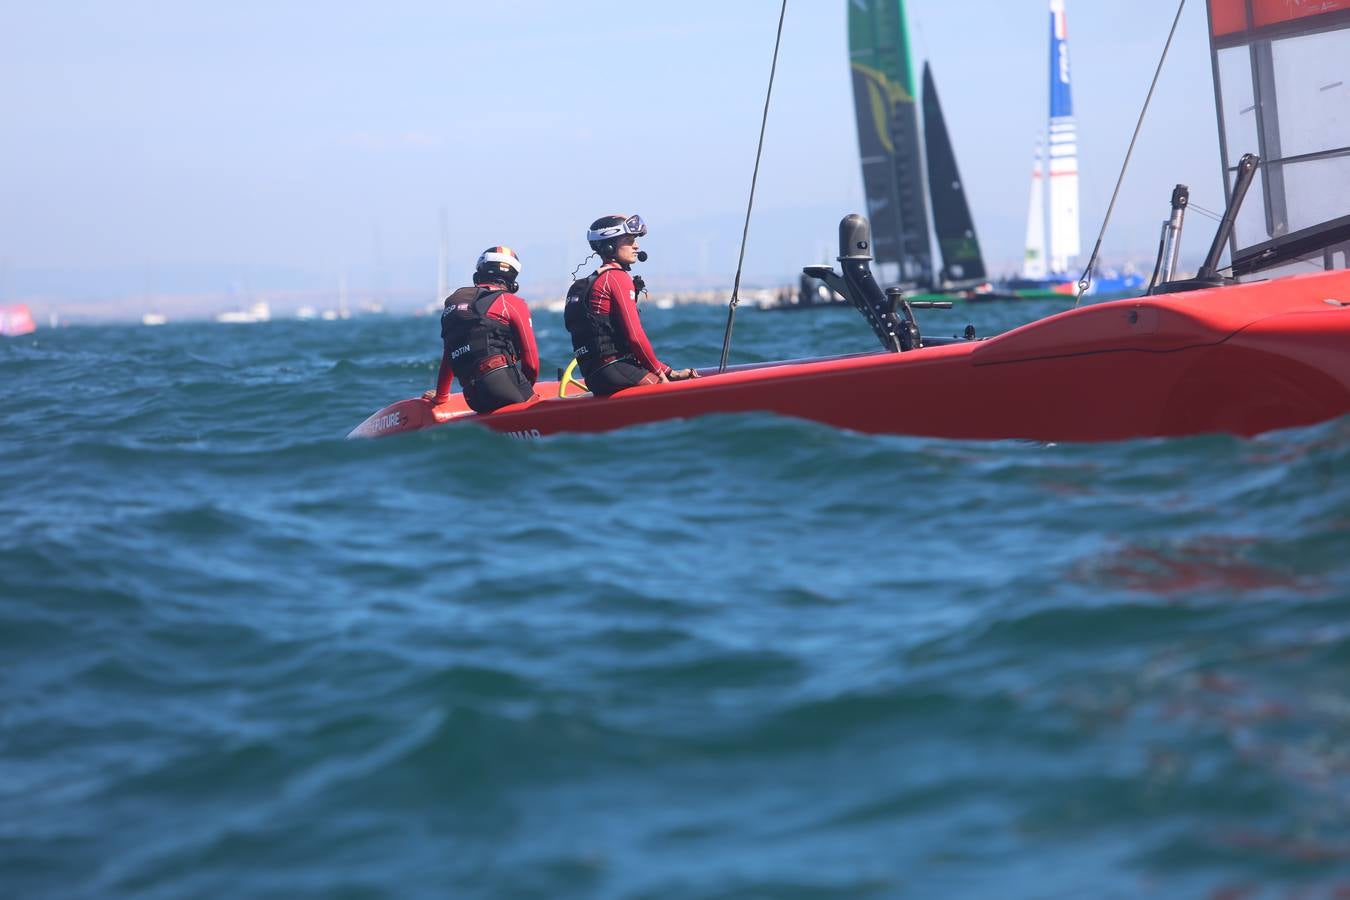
(1242, 360)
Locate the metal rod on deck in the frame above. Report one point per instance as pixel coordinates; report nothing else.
(1181, 197)
(1246, 172)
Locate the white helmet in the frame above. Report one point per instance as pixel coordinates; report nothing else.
(605, 230)
(499, 260)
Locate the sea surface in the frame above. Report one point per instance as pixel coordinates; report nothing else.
(733, 657)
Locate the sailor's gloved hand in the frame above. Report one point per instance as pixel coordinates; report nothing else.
(681, 374)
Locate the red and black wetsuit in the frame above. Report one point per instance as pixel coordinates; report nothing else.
(489, 346)
(611, 347)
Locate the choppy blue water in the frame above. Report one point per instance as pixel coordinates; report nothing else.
(736, 657)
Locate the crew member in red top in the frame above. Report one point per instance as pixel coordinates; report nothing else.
(489, 341)
(611, 347)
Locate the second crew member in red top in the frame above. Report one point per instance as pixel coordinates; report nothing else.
(611, 347)
(489, 341)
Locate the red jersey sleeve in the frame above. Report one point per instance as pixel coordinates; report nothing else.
(517, 315)
(616, 286)
(444, 378)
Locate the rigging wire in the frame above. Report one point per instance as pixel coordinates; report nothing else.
(1217, 217)
(745, 232)
(1085, 281)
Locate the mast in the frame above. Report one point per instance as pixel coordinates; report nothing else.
(962, 262)
(1033, 263)
(1064, 245)
(443, 261)
(888, 140)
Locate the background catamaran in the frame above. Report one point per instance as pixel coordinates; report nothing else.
(1197, 355)
(904, 166)
(1055, 273)
(910, 175)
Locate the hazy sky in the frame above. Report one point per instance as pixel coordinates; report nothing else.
(180, 145)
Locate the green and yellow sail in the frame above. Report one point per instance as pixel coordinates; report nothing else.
(889, 140)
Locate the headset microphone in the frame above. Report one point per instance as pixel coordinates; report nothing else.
(642, 256)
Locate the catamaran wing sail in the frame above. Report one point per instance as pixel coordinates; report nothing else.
(1282, 82)
(1064, 244)
(1033, 263)
(962, 262)
(888, 138)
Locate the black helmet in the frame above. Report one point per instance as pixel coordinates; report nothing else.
(605, 230)
(498, 264)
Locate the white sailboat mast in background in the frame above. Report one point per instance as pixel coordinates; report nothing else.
(1033, 263)
(1062, 177)
(1064, 244)
(443, 261)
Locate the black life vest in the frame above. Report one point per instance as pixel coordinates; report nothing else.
(477, 343)
(596, 340)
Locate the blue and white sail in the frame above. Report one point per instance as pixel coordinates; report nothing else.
(1063, 150)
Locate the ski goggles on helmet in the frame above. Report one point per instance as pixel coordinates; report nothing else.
(632, 225)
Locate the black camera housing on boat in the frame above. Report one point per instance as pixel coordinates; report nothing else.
(889, 314)
(860, 287)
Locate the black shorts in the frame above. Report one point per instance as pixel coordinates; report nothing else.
(620, 374)
(498, 388)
